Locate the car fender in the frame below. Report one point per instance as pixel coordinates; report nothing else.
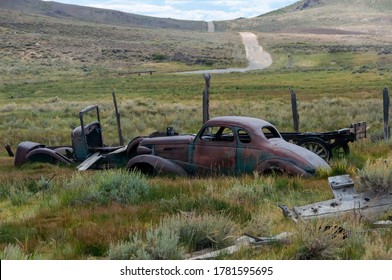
(159, 165)
(47, 155)
(132, 146)
(281, 166)
(23, 149)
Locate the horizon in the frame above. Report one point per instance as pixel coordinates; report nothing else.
(203, 10)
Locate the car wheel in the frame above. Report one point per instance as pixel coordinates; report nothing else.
(317, 146)
(144, 168)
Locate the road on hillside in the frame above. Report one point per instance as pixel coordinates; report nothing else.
(210, 26)
(257, 58)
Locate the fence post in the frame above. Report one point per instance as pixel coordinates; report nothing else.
(206, 98)
(120, 136)
(294, 109)
(386, 113)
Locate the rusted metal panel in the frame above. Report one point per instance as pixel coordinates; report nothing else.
(9, 150)
(23, 149)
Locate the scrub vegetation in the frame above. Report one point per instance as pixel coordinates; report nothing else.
(48, 74)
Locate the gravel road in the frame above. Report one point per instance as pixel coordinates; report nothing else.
(257, 58)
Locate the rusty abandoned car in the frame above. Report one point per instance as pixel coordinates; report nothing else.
(224, 145)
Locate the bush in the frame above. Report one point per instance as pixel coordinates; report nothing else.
(161, 243)
(105, 187)
(319, 241)
(167, 241)
(376, 176)
(19, 194)
(13, 252)
(376, 248)
(198, 232)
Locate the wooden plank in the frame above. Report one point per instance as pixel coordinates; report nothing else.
(242, 242)
(341, 186)
(365, 204)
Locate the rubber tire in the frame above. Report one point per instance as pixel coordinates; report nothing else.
(317, 146)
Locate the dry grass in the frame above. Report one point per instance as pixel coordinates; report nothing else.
(47, 77)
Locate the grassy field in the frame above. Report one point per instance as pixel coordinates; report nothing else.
(73, 216)
(55, 212)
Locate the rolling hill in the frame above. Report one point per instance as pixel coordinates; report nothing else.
(322, 16)
(37, 37)
(94, 15)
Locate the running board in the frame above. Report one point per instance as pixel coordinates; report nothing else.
(89, 161)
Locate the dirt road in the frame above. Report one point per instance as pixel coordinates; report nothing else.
(210, 26)
(257, 58)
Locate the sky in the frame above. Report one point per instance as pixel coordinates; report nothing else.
(206, 10)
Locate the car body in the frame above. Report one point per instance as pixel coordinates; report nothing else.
(224, 145)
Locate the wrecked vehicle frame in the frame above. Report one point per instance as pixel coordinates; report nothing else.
(224, 145)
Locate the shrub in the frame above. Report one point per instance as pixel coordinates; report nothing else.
(319, 241)
(13, 252)
(249, 193)
(197, 232)
(377, 249)
(107, 186)
(376, 176)
(19, 194)
(161, 243)
(167, 241)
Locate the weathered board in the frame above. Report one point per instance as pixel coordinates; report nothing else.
(367, 205)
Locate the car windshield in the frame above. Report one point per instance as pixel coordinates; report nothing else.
(270, 132)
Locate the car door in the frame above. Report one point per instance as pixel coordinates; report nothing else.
(247, 156)
(214, 150)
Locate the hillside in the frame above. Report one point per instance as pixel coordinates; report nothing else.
(36, 40)
(39, 37)
(94, 15)
(322, 16)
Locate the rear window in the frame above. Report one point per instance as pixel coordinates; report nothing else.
(270, 132)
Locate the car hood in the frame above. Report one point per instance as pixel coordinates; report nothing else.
(313, 159)
(168, 140)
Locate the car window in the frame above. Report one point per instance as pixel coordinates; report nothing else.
(217, 133)
(244, 136)
(270, 132)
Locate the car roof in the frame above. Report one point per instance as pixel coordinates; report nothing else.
(239, 121)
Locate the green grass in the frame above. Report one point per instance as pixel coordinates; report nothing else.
(113, 214)
(77, 217)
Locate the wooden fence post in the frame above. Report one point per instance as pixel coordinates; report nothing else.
(294, 109)
(120, 136)
(386, 113)
(206, 98)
